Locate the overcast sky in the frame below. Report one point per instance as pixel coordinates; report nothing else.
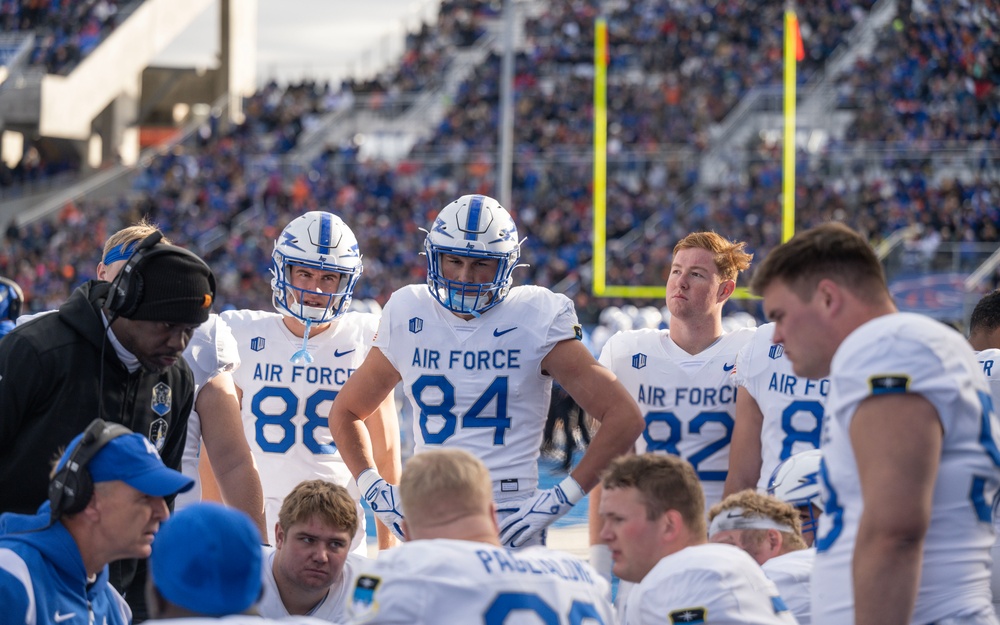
(324, 39)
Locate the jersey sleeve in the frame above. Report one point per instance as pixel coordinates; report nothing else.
(891, 364)
(744, 360)
(564, 325)
(696, 593)
(607, 357)
(382, 331)
(369, 328)
(227, 349)
(385, 599)
(212, 350)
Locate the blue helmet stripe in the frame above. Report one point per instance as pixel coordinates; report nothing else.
(475, 210)
(325, 234)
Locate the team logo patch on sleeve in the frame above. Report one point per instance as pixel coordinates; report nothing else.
(889, 383)
(363, 600)
(578, 331)
(688, 615)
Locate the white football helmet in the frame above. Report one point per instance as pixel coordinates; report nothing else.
(473, 226)
(318, 240)
(796, 481)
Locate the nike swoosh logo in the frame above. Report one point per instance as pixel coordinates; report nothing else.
(497, 332)
(337, 353)
(728, 367)
(59, 618)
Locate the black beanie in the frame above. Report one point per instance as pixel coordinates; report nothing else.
(175, 288)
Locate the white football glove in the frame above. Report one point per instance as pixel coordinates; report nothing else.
(539, 512)
(384, 500)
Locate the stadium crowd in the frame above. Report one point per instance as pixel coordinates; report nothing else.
(219, 180)
(65, 31)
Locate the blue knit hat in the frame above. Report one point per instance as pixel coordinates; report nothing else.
(207, 559)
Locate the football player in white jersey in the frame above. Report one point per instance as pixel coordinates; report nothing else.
(477, 358)
(777, 413)
(653, 519)
(770, 531)
(453, 571)
(984, 336)
(206, 568)
(911, 460)
(309, 570)
(682, 378)
(211, 354)
(295, 361)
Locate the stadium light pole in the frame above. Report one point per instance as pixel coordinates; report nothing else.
(506, 155)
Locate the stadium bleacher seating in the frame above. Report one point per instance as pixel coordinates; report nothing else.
(677, 73)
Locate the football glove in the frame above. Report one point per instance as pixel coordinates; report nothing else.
(539, 512)
(384, 500)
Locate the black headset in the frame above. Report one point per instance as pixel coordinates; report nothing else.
(72, 487)
(127, 287)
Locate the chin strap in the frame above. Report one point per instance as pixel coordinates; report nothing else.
(302, 356)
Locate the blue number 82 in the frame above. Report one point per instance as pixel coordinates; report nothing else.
(669, 444)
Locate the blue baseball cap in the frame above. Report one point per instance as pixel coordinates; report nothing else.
(207, 559)
(132, 459)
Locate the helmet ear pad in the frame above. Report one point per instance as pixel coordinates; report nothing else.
(473, 226)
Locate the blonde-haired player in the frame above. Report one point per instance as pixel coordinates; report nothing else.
(453, 571)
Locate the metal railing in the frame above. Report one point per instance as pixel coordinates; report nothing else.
(921, 256)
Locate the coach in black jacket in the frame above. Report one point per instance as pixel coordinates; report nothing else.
(60, 371)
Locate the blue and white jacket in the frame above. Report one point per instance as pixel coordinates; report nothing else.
(43, 580)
